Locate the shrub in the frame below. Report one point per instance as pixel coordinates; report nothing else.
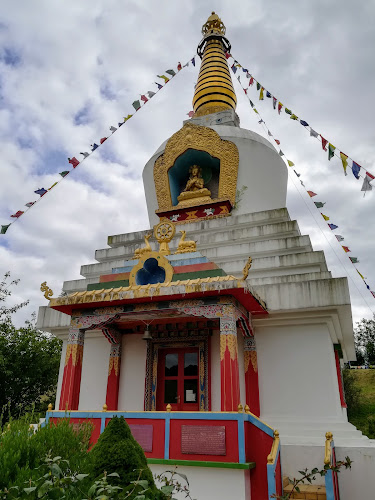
(371, 426)
(352, 391)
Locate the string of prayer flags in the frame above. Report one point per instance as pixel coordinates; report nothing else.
(339, 237)
(354, 260)
(356, 169)
(17, 214)
(73, 161)
(325, 217)
(333, 226)
(41, 191)
(63, 174)
(319, 204)
(344, 159)
(311, 194)
(331, 151)
(4, 229)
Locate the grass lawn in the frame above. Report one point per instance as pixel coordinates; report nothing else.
(365, 380)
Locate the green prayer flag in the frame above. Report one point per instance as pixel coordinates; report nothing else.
(354, 260)
(258, 86)
(4, 229)
(170, 72)
(319, 204)
(331, 151)
(64, 173)
(288, 111)
(136, 105)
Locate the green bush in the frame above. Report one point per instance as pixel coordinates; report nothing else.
(351, 389)
(117, 451)
(371, 426)
(22, 450)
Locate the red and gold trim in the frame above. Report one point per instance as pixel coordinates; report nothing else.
(230, 382)
(71, 384)
(251, 375)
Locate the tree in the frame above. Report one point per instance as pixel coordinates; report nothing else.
(364, 336)
(29, 360)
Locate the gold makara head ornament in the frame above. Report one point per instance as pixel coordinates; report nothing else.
(47, 291)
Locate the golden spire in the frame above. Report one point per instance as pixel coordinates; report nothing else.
(214, 90)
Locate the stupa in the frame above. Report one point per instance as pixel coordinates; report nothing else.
(218, 325)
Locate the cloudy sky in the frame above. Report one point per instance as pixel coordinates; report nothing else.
(69, 70)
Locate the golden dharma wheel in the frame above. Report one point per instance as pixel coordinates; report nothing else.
(164, 232)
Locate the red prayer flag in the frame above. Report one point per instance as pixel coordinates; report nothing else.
(73, 161)
(372, 293)
(311, 193)
(190, 114)
(17, 214)
(103, 139)
(324, 143)
(144, 98)
(179, 67)
(346, 249)
(245, 90)
(277, 141)
(251, 81)
(279, 106)
(227, 55)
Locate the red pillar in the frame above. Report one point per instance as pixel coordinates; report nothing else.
(71, 384)
(251, 375)
(230, 382)
(113, 382)
(339, 378)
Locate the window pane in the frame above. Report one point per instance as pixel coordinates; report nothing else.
(190, 391)
(191, 363)
(170, 391)
(171, 365)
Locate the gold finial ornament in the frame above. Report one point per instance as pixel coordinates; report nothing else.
(169, 407)
(247, 409)
(105, 407)
(214, 91)
(240, 408)
(186, 246)
(164, 232)
(47, 291)
(139, 252)
(50, 407)
(246, 269)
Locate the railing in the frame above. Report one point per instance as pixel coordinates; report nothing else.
(331, 478)
(274, 478)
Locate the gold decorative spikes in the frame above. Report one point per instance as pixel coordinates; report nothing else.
(213, 24)
(186, 246)
(143, 250)
(164, 232)
(47, 291)
(246, 269)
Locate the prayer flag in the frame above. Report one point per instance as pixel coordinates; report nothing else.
(339, 237)
(269, 133)
(103, 139)
(179, 67)
(193, 61)
(245, 90)
(112, 129)
(332, 226)
(190, 114)
(294, 117)
(144, 98)
(331, 151)
(354, 260)
(274, 102)
(186, 65)
(41, 191)
(305, 124)
(159, 86)
(94, 146)
(256, 111)
(346, 249)
(53, 185)
(165, 78)
(373, 294)
(63, 174)
(233, 68)
(85, 154)
(248, 75)
(302, 184)
(324, 143)
(136, 105)
(227, 55)
(325, 217)
(17, 214)
(281, 153)
(150, 94)
(171, 72)
(73, 161)
(290, 163)
(245, 71)
(356, 168)
(366, 186)
(277, 142)
(344, 159)
(268, 94)
(319, 204)
(4, 229)
(361, 275)
(297, 174)
(261, 94)
(30, 204)
(251, 103)
(311, 194)
(258, 86)
(120, 124)
(288, 111)
(251, 81)
(261, 121)
(126, 118)
(313, 133)
(279, 106)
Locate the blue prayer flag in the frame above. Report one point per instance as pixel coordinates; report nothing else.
(234, 69)
(356, 168)
(193, 61)
(305, 124)
(268, 94)
(41, 191)
(333, 226)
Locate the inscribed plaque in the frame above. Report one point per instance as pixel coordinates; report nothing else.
(143, 435)
(203, 439)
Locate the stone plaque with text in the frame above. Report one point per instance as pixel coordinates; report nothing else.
(203, 439)
(143, 435)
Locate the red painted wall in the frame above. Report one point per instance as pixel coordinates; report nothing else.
(257, 448)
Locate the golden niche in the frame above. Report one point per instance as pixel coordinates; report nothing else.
(194, 189)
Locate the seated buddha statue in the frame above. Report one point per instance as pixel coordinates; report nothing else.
(194, 191)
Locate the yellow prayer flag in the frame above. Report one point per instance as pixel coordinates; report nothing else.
(290, 163)
(294, 117)
(255, 111)
(324, 216)
(344, 160)
(360, 274)
(261, 94)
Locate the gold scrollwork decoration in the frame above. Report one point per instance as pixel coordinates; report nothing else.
(47, 291)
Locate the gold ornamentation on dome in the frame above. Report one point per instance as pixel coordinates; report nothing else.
(246, 269)
(143, 250)
(186, 246)
(213, 24)
(164, 232)
(202, 139)
(47, 291)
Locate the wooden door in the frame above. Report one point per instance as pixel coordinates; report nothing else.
(178, 379)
